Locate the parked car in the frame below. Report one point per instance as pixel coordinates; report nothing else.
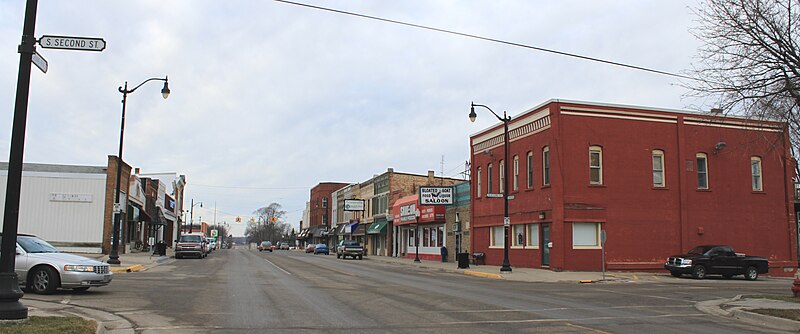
(191, 244)
(349, 248)
(310, 248)
(265, 246)
(716, 259)
(284, 246)
(321, 249)
(212, 244)
(41, 268)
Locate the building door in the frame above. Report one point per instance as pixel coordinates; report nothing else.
(545, 245)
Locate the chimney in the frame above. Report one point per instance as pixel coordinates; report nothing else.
(716, 111)
(430, 177)
(136, 170)
(390, 170)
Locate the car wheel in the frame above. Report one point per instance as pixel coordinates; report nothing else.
(751, 274)
(675, 274)
(699, 272)
(337, 255)
(177, 256)
(360, 257)
(81, 289)
(44, 280)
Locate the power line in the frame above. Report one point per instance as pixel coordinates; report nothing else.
(562, 53)
(253, 188)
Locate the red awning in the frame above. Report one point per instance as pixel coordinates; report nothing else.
(403, 211)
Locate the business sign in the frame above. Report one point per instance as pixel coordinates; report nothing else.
(72, 43)
(436, 196)
(354, 205)
(61, 197)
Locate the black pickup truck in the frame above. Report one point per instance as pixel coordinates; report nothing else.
(716, 259)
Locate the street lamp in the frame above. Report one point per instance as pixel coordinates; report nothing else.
(416, 235)
(114, 256)
(506, 220)
(191, 214)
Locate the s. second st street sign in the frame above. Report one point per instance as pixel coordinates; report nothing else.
(72, 43)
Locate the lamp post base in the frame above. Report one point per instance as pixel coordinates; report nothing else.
(506, 268)
(10, 306)
(113, 259)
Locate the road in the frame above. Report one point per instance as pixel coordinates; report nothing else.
(244, 291)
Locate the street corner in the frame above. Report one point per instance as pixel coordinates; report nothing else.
(482, 274)
(133, 268)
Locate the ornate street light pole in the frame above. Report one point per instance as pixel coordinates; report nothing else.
(506, 220)
(113, 258)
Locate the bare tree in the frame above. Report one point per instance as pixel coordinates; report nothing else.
(750, 61)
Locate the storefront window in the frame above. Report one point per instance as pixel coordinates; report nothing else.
(411, 237)
(497, 236)
(533, 235)
(518, 235)
(426, 234)
(441, 236)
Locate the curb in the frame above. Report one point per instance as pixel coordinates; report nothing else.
(482, 274)
(133, 268)
(106, 322)
(714, 307)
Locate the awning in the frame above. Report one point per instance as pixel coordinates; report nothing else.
(378, 227)
(303, 234)
(340, 229)
(361, 229)
(351, 228)
(318, 230)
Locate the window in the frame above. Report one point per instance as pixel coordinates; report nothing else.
(533, 235)
(702, 171)
(595, 165)
(546, 166)
(755, 167)
(518, 235)
(324, 202)
(479, 183)
(515, 180)
(440, 236)
(585, 235)
(489, 179)
(497, 236)
(502, 176)
(530, 170)
(426, 234)
(658, 169)
(325, 219)
(411, 239)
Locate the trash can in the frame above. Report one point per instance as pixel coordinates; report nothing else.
(463, 260)
(444, 254)
(161, 248)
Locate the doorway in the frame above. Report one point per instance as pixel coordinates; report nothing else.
(545, 245)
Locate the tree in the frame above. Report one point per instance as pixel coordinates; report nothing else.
(268, 225)
(750, 60)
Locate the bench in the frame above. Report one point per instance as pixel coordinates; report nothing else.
(478, 258)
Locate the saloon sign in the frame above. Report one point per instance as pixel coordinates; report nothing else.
(436, 195)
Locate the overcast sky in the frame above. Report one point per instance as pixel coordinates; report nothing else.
(269, 99)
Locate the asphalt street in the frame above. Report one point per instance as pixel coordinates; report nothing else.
(245, 291)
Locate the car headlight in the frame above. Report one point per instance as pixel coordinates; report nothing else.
(72, 267)
(687, 262)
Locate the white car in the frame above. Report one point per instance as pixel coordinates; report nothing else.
(212, 244)
(42, 268)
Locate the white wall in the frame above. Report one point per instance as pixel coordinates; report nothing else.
(60, 221)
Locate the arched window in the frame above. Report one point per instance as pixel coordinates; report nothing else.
(478, 186)
(658, 169)
(515, 180)
(595, 165)
(755, 168)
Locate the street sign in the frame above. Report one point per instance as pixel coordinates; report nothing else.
(506, 221)
(494, 195)
(436, 195)
(214, 233)
(39, 61)
(72, 43)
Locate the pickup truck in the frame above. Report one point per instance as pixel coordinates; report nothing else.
(351, 248)
(716, 259)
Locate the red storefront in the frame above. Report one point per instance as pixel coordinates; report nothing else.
(431, 228)
(656, 182)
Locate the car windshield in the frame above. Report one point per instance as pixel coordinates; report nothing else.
(191, 238)
(699, 250)
(321, 245)
(35, 245)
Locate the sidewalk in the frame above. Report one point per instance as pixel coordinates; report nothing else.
(135, 261)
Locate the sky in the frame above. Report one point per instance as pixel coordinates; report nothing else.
(269, 99)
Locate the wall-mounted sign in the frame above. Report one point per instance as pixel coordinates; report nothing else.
(436, 196)
(83, 198)
(354, 205)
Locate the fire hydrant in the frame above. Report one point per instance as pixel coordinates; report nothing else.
(796, 285)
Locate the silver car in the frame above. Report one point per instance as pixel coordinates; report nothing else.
(42, 268)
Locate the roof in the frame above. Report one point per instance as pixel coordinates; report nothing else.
(50, 168)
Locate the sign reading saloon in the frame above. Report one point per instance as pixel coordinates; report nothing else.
(436, 195)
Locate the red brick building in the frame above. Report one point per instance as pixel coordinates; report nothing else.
(319, 213)
(657, 182)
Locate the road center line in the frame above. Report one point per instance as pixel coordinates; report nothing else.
(276, 266)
